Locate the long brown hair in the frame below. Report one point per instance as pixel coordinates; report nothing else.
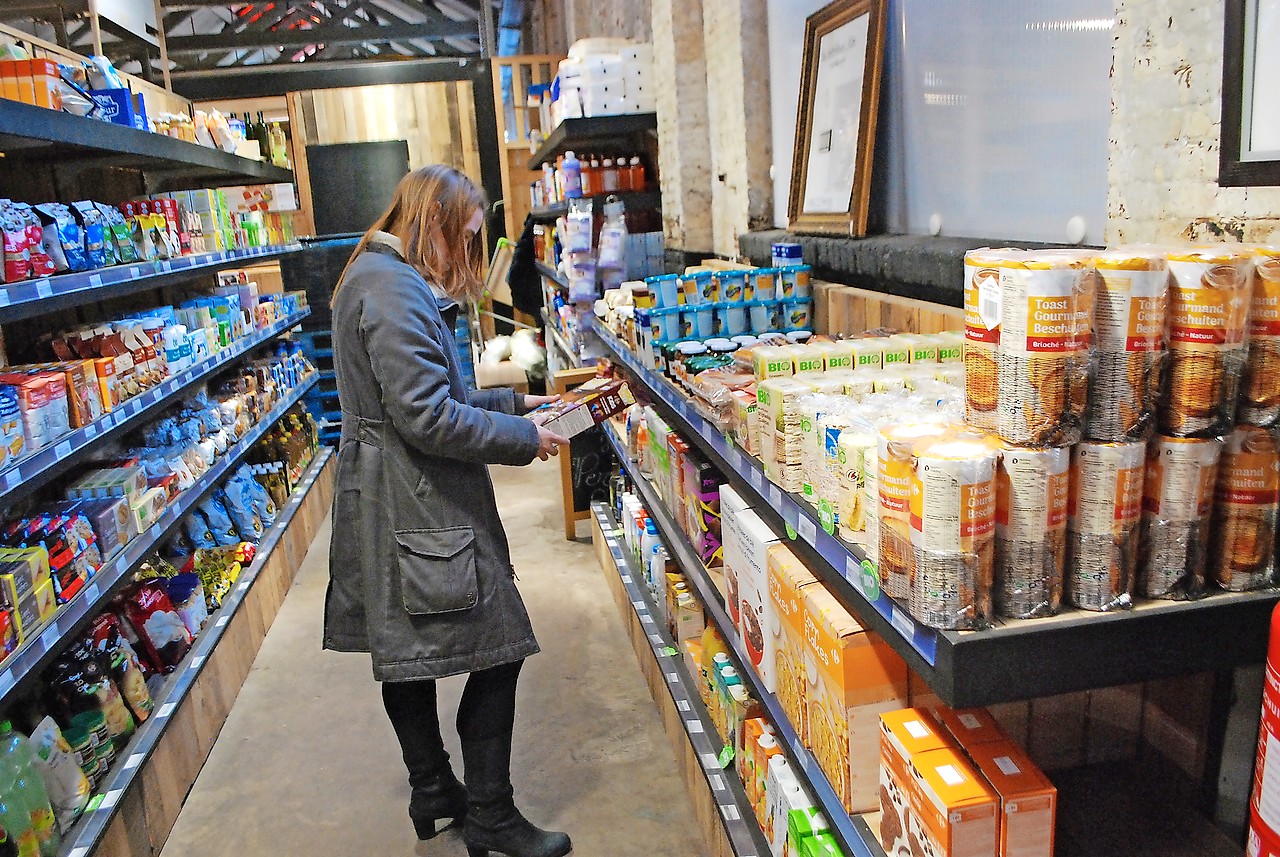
(429, 213)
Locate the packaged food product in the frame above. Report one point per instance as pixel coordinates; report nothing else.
(1103, 518)
(896, 556)
(1045, 299)
(81, 687)
(856, 451)
(186, 591)
(982, 312)
(1243, 554)
(956, 814)
(788, 578)
(161, 629)
(1128, 339)
(1177, 505)
(63, 238)
(1260, 396)
(1028, 801)
(952, 506)
(904, 734)
(60, 770)
(17, 246)
(1032, 491)
(89, 220)
(1209, 296)
(121, 662)
(778, 420)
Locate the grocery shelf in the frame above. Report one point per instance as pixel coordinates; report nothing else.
(45, 642)
(557, 337)
(48, 294)
(36, 470)
(596, 129)
(632, 198)
(1015, 660)
(736, 813)
(551, 274)
(87, 833)
(852, 832)
(31, 133)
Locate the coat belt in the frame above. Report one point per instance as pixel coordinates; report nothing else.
(362, 430)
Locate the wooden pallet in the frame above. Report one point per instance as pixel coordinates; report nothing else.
(845, 309)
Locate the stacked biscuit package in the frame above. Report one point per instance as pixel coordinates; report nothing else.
(1177, 502)
(896, 556)
(1260, 399)
(1128, 340)
(1043, 350)
(1103, 518)
(1209, 295)
(952, 511)
(1245, 510)
(981, 336)
(1032, 487)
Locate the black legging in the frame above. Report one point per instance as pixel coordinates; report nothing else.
(487, 710)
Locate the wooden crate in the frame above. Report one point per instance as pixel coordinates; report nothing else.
(150, 806)
(845, 309)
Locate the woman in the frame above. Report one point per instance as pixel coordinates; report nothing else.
(420, 573)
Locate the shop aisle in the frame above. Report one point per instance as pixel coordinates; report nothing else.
(307, 762)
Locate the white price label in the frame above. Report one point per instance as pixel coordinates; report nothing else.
(7, 681)
(756, 479)
(133, 761)
(683, 705)
(50, 637)
(110, 799)
(693, 727)
(902, 622)
(673, 678)
(4, 297)
(166, 266)
(717, 782)
(626, 578)
(807, 530)
(166, 709)
(11, 478)
(135, 407)
(91, 592)
(155, 530)
(134, 273)
(735, 457)
(95, 280)
(730, 812)
(775, 497)
(196, 662)
(44, 289)
(91, 431)
(62, 450)
(222, 622)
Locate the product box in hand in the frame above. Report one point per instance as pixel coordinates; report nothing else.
(590, 404)
(904, 734)
(1028, 801)
(953, 810)
(853, 677)
(788, 578)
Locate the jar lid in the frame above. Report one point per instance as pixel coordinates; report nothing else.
(689, 349)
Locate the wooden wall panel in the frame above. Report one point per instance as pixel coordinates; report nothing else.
(845, 309)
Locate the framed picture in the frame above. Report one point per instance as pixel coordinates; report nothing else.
(1250, 152)
(836, 118)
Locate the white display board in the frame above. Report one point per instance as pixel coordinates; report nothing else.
(994, 115)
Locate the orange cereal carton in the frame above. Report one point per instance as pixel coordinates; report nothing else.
(1028, 801)
(788, 579)
(970, 726)
(853, 677)
(903, 734)
(954, 812)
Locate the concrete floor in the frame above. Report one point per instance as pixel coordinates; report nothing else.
(307, 763)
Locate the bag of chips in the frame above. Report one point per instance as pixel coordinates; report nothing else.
(119, 234)
(240, 507)
(164, 635)
(63, 239)
(197, 530)
(66, 783)
(220, 524)
(89, 219)
(17, 248)
(41, 264)
(122, 664)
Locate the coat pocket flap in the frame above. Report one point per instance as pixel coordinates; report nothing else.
(438, 570)
(441, 544)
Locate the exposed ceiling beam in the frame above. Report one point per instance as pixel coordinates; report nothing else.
(326, 34)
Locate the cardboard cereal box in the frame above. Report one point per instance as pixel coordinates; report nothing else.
(755, 611)
(903, 734)
(1028, 801)
(970, 726)
(953, 810)
(787, 579)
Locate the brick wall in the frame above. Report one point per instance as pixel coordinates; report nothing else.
(1166, 125)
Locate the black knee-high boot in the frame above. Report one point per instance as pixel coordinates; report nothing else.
(437, 794)
(486, 719)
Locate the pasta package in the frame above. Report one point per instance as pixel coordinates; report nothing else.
(1129, 311)
(1209, 295)
(981, 335)
(1245, 509)
(1032, 497)
(778, 420)
(1260, 399)
(1045, 303)
(1177, 502)
(1103, 517)
(953, 514)
(895, 555)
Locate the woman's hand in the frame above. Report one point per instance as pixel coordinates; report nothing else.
(531, 402)
(549, 443)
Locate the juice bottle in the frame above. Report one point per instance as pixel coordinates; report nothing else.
(635, 171)
(14, 817)
(15, 752)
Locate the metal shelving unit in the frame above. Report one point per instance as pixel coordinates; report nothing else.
(40, 648)
(1076, 650)
(596, 129)
(89, 829)
(48, 294)
(551, 274)
(31, 133)
(736, 813)
(38, 469)
(632, 198)
(852, 832)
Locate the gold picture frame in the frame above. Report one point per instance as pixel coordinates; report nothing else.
(835, 143)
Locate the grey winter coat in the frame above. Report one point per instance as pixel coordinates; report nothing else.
(420, 573)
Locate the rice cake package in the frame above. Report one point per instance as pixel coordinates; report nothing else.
(1103, 523)
(1046, 298)
(778, 418)
(1032, 498)
(1260, 393)
(1177, 505)
(1209, 297)
(1246, 507)
(855, 449)
(1128, 339)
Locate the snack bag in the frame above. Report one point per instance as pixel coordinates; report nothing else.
(41, 264)
(197, 531)
(119, 234)
(122, 663)
(67, 785)
(63, 238)
(263, 506)
(220, 524)
(240, 507)
(17, 254)
(95, 243)
(186, 591)
(162, 631)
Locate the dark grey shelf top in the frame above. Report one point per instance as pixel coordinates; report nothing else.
(28, 132)
(597, 129)
(632, 198)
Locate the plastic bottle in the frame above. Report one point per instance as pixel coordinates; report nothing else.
(548, 184)
(588, 176)
(597, 178)
(635, 172)
(15, 751)
(571, 176)
(15, 817)
(609, 178)
(648, 541)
